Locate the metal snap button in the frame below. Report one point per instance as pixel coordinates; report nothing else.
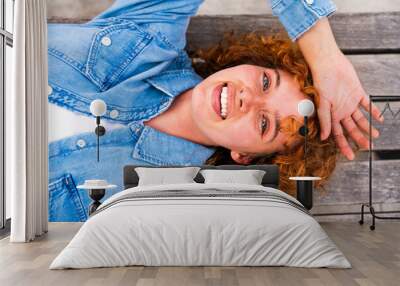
(310, 2)
(114, 113)
(106, 41)
(81, 143)
(49, 90)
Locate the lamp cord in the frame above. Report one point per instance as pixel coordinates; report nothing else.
(98, 147)
(305, 145)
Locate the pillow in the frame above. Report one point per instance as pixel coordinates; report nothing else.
(249, 177)
(162, 176)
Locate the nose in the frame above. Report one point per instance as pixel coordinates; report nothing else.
(249, 99)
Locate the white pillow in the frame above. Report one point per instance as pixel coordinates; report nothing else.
(162, 176)
(249, 177)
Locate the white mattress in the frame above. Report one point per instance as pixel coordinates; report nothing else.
(209, 230)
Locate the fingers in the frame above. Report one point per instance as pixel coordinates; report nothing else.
(375, 110)
(363, 123)
(355, 132)
(324, 116)
(341, 141)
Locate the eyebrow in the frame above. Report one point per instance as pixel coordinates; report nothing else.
(278, 78)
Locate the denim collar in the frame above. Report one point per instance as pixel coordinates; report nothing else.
(162, 149)
(175, 82)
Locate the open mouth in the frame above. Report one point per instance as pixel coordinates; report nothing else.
(223, 97)
(220, 100)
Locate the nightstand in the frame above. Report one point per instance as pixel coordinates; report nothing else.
(97, 190)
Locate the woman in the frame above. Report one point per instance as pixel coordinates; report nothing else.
(161, 112)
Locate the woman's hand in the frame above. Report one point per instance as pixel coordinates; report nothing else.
(340, 90)
(341, 99)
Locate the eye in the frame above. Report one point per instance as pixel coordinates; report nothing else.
(266, 82)
(263, 124)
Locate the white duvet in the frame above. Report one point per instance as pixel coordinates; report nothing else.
(207, 230)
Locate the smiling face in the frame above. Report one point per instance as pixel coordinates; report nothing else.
(253, 103)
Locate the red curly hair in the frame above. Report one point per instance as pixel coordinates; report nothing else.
(274, 52)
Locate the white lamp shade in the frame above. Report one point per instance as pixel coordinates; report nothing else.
(305, 107)
(98, 107)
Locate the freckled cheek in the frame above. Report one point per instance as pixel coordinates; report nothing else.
(239, 135)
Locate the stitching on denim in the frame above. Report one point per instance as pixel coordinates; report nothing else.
(67, 149)
(275, 4)
(157, 34)
(71, 101)
(59, 55)
(325, 10)
(143, 40)
(67, 182)
(170, 90)
(301, 29)
(137, 149)
(70, 185)
(310, 8)
(318, 11)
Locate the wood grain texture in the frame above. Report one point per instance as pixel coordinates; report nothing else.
(378, 73)
(375, 258)
(349, 183)
(355, 33)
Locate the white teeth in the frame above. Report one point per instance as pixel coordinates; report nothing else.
(224, 101)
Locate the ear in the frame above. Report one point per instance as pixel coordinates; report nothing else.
(241, 158)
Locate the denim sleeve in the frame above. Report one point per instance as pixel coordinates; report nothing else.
(151, 8)
(298, 16)
(168, 18)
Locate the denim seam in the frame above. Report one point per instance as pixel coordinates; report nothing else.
(77, 199)
(275, 4)
(59, 55)
(304, 28)
(159, 35)
(77, 103)
(66, 180)
(145, 130)
(172, 92)
(317, 11)
(94, 50)
(105, 143)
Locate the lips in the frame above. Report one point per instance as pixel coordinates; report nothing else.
(216, 99)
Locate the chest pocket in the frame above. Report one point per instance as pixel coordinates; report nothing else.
(112, 50)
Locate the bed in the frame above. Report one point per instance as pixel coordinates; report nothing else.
(201, 224)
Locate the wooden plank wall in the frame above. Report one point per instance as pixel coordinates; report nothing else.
(372, 42)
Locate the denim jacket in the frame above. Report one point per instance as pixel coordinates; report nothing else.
(132, 56)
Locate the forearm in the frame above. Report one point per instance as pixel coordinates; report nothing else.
(318, 43)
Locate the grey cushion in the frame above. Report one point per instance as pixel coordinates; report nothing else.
(162, 176)
(249, 177)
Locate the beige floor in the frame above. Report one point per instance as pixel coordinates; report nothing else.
(375, 257)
